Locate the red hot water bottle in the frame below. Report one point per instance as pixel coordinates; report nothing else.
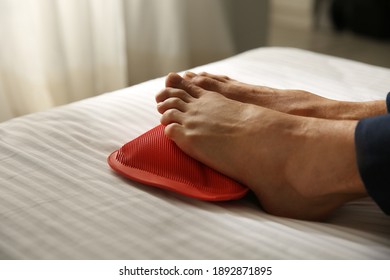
(155, 160)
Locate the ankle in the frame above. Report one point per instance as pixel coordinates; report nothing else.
(324, 161)
(357, 110)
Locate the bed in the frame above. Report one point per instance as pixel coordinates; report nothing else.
(59, 199)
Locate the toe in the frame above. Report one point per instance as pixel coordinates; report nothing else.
(171, 103)
(174, 131)
(208, 83)
(171, 116)
(220, 78)
(189, 75)
(173, 93)
(175, 81)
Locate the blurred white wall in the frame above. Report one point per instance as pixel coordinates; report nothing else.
(248, 22)
(57, 51)
(291, 22)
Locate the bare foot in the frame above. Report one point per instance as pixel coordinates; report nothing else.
(296, 102)
(298, 167)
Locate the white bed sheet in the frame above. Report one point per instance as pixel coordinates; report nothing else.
(60, 200)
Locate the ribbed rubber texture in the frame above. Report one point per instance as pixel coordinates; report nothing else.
(155, 160)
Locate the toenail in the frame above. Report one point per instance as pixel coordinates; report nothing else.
(190, 74)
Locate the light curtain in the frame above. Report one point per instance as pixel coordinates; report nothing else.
(57, 51)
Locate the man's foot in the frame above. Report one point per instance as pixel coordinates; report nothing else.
(296, 102)
(298, 167)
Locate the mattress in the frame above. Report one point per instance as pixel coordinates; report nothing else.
(59, 199)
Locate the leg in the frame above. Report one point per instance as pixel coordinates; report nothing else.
(298, 167)
(296, 102)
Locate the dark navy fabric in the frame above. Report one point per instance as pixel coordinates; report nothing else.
(372, 140)
(388, 102)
